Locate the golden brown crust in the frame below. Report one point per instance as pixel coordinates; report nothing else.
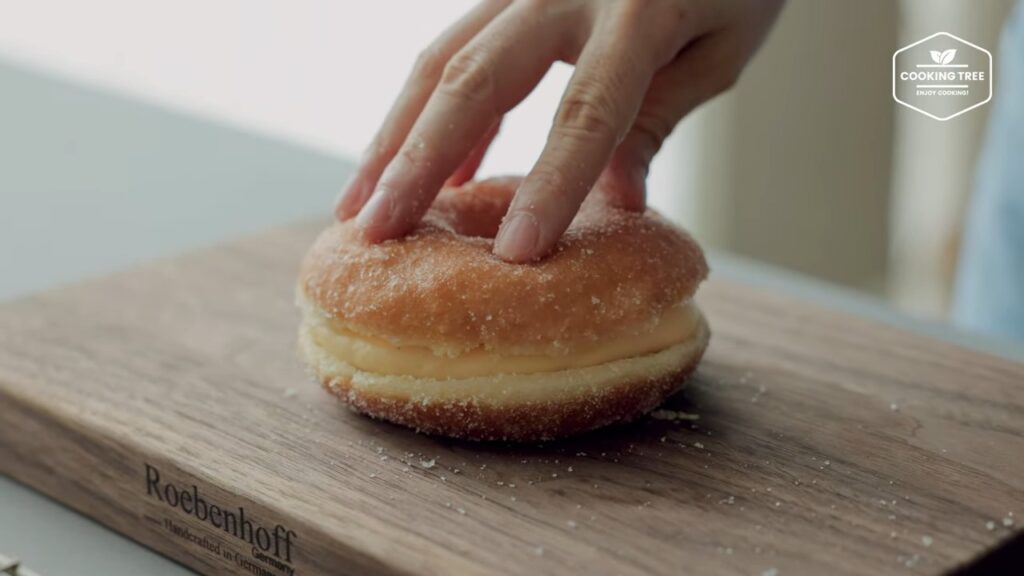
(522, 422)
(612, 274)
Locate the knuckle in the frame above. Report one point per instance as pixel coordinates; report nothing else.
(652, 130)
(547, 176)
(551, 179)
(588, 113)
(415, 155)
(468, 77)
(429, 63)
(559, 182)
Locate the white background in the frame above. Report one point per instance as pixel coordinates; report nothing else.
(317, 73)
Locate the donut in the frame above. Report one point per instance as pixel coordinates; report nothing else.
(434, 332)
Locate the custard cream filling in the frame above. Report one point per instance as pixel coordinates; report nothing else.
(371, 354)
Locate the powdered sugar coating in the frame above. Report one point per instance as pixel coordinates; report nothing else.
(612, 274)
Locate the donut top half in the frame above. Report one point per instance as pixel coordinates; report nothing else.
(613, 275)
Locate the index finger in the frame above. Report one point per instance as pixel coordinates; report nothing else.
(410, 102)
(485, 79)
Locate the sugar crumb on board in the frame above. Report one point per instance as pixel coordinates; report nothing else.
(908, 561)
(673, 415)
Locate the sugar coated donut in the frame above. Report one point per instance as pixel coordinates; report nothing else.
(434, 332)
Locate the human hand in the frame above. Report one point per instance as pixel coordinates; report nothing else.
(641, 66)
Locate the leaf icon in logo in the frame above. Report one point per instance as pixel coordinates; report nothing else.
(948, 55)
(936, 56)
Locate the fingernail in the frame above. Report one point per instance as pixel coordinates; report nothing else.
(518, 238)
(378, 212)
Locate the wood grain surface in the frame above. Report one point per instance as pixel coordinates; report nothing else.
(825, 443)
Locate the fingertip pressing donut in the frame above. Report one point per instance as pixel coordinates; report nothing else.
(434, 332)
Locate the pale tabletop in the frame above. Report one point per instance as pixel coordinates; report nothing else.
(91, 183)
(72, 155)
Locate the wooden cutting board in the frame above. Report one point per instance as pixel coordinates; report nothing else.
(167, 402)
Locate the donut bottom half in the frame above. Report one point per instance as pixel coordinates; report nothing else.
(515, 407)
